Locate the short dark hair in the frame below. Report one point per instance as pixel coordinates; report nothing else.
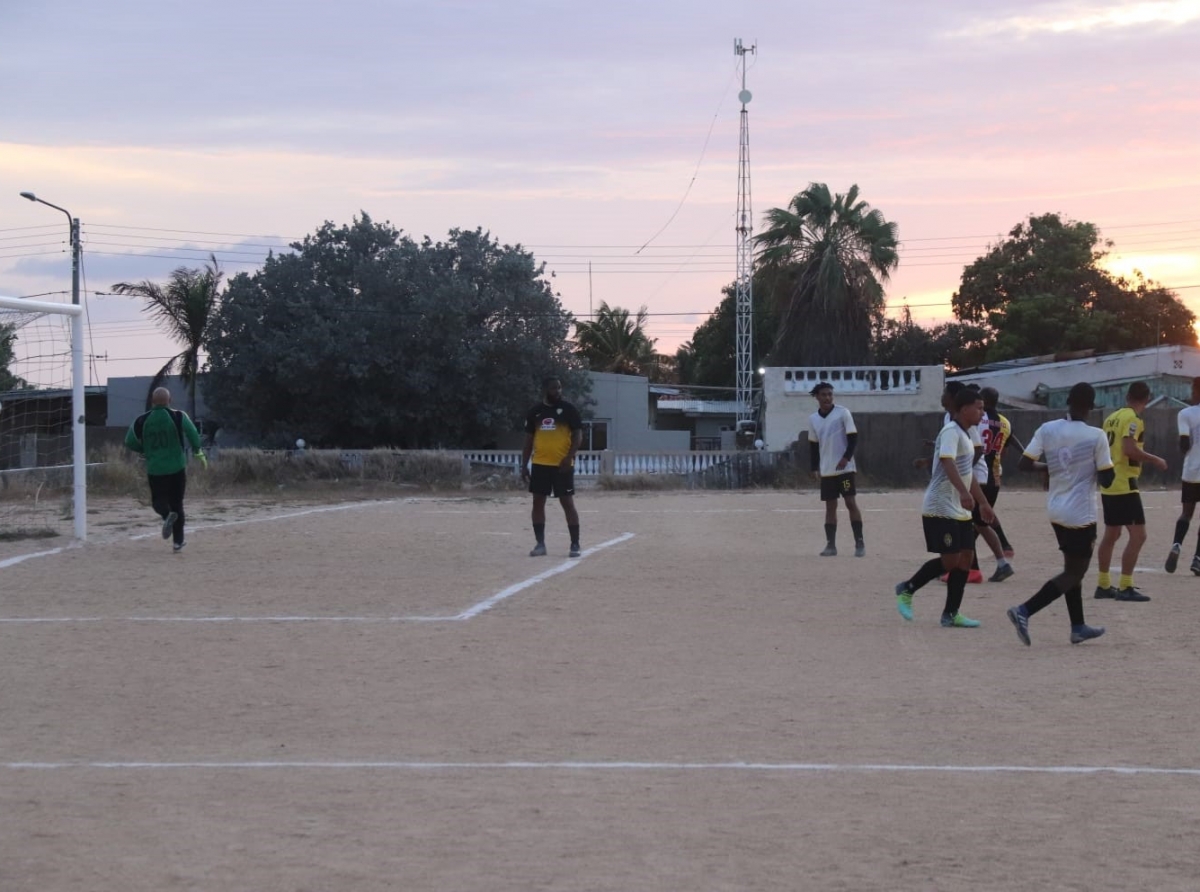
(821, 385)
(965, 397)
(546, 381)
(990, 395)
(953, 387)
(1138, 391)
(1082, 396)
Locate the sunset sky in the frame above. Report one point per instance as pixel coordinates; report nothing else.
(584, 132)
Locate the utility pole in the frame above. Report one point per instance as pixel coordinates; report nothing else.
(744, 347)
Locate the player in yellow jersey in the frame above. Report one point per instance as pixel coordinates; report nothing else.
(554, 430)
(1122, 503)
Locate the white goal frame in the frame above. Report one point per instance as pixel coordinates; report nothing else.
(78, 411)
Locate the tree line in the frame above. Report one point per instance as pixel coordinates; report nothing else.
(364, 336)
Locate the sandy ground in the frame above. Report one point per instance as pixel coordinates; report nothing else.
(393, 695)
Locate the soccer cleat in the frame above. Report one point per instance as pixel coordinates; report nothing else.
(1008, 552)
(1102, 592)
(1020, 621)
(1003, 571)
(958, 621)
(975, 577)
(574, 552)
(1130, 594)
(904, 600)
(830, 550)
(1196, 565)
(1082, 633)
(860, 548)
(539, 550)
(178, 547)
(169, 524)
(1173, 558)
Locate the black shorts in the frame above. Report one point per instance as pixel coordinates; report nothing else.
(945, 535)
(1124, 510)
(1076, 541)
(547, 480)
(839, 485)
(991, 492)
(1191, 493)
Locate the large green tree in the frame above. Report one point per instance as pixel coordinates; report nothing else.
(8, 381)
(824, 260)
(955, 345)
(710, 358)
(616, 341)
(185, 308)
(1042, 290)
(364, 337)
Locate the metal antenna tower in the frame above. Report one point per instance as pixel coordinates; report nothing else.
(745, 258)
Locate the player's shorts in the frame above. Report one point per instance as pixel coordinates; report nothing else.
(838, 485)
(945, 535)
(1191, 493)
(547, 480)
(1075, 541)
(990, 493)
(1124, 510)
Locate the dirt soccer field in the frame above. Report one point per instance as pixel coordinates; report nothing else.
(393, 695)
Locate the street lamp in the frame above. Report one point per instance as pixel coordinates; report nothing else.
(75, 246)
(78, 405)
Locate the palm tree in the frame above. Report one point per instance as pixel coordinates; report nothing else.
(824, 258)
(616, 342)
(185, 306)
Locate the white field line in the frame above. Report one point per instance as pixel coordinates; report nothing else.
(615, 766)
(471, 612)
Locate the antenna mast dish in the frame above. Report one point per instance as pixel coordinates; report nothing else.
(744, 347)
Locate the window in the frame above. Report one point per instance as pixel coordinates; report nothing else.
(595, 435)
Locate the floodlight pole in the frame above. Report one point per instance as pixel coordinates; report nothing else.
(78, 404)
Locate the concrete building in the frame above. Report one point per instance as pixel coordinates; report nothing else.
(1045, 381)
(787, 395)
(624, 417)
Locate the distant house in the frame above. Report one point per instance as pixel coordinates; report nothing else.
(787, 395)
(1044, 381)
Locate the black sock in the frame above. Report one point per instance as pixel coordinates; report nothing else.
(539, 532)
(930, 570)
(1181, 528)
(573, 529)
(956, 585)
(1074, 597)
(1004, 543)
(856, 526)
(1046, 595)
(830, 532)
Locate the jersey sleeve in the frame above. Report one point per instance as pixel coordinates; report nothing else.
(848, 419)
(947, 445)
(1034, 450)
(573, 418)
(531, 421)
(1181, 424)
(1102, 453)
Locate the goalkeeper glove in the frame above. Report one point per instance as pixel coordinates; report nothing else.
(203, 460)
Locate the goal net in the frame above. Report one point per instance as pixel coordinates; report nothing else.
(42, 460)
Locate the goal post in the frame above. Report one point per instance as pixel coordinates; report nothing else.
(42, 418)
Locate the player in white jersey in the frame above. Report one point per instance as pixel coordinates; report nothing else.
(1189, 436)
(832, 438)
(946, 514)
(1074, 455)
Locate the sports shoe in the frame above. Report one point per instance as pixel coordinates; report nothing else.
(1020, 621)
(1196, 565)
(860, 548)
(975, 577)
(539, 550)
(1173, 558)
(830, 550)
(169, 524)
(574, 552)
(1080, 634)
(958, 621)
(178, 547)
(1008, 552)
(1003, 571)
(904, 600)
(1102, 592)
(1130, 594)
